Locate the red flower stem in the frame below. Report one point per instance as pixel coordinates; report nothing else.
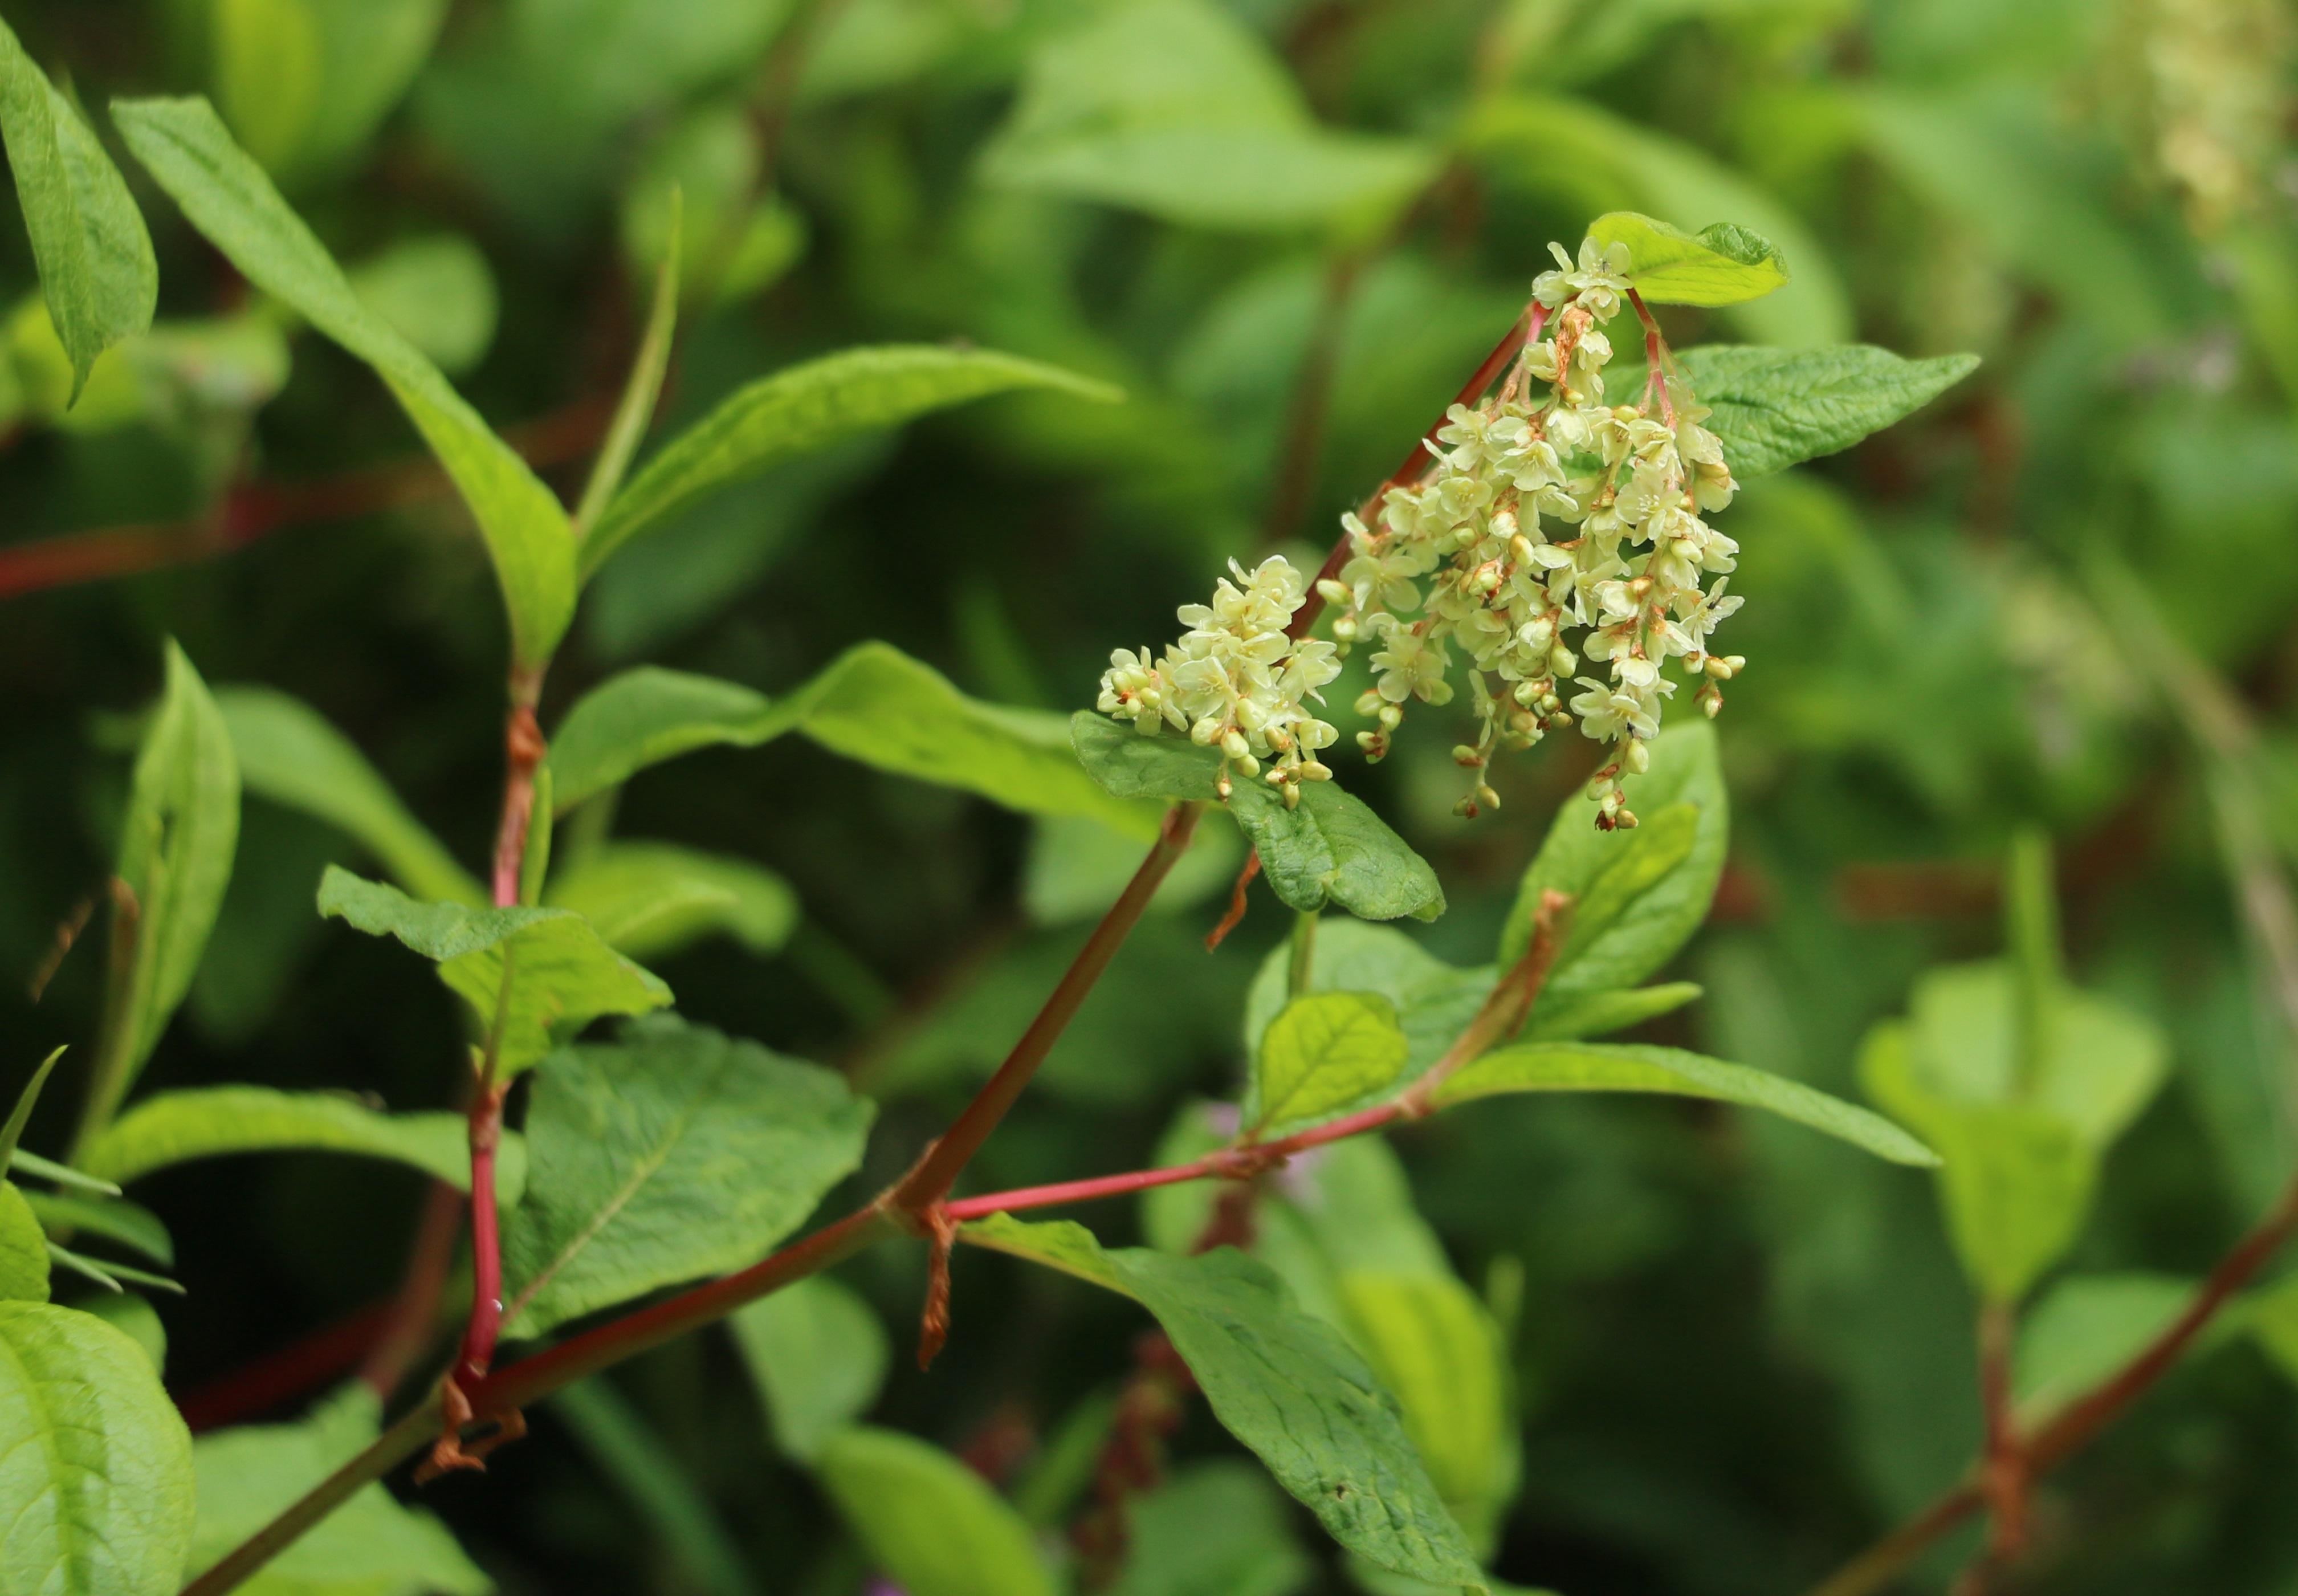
(929, 1182)
(251, 510)
(1655, 355)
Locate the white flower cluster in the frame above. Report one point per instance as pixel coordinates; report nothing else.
(1475, 555)
(1237, 680)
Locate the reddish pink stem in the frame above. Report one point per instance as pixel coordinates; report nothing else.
(1231, 1163)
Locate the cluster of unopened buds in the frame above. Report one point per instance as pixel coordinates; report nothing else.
(1469, 556)
(1237, 681)
(1465, 557)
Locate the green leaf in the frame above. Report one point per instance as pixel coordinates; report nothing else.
(2087, 1327)
(932, 1524)
(1572, 151)
(1435, 1344)
(652, 898)
(2023, 1139)
(1329, 850)
(1214, 1528)
(805, 408)
(97, 1492)
(370, 1546)
(289, 753)
(187, 148)
(1775, 408)
(130, 1224)
(1284, 1383)
(1603, 1011)
(23, 1249)
(110, 1272)
(1325, 1051)
(12, 1134)
(1173, 107)
(643, 388)
(31, 1164)
(671, 1153)
(873, 704)
(555, 967)
(134, 1317)
(94, 258)
(1724, 265)
(1621, 1067)
(176, 851)
(818, 1356)
(175, 1128)
(1637, 895)
(1432, 1000)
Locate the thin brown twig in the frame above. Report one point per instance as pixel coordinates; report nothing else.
(249, 511)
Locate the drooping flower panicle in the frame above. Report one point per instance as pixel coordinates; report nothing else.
(1237, 680)
(1544, 533)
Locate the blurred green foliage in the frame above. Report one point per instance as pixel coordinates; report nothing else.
(1734, 1350)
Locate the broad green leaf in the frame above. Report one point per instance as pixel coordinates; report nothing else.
(175, 1128)
(2023, 1139)
(1325, 1051)
(808, 408)
(554, 966)
(1637, 895)
(873, 704)
(818, 1356)
(1435, 1344)
(1214, 1528)
(1775, 408)
(1283, 1383)
(94, 258)
(933, 1524)
(370, 1546)
(176, 851)
(1624, 1067)
(130, 1224)
(671, 1153)
(1329, 850)
(652, 898)
(134, 1317)
(96, 1466)
(187, 148)
(1174, 108)
(1432, 1000)
(1349, 1209)
(1724, 265)
(23, 1249)
(2085, 1328)
(289, 753)
(1575, 151)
